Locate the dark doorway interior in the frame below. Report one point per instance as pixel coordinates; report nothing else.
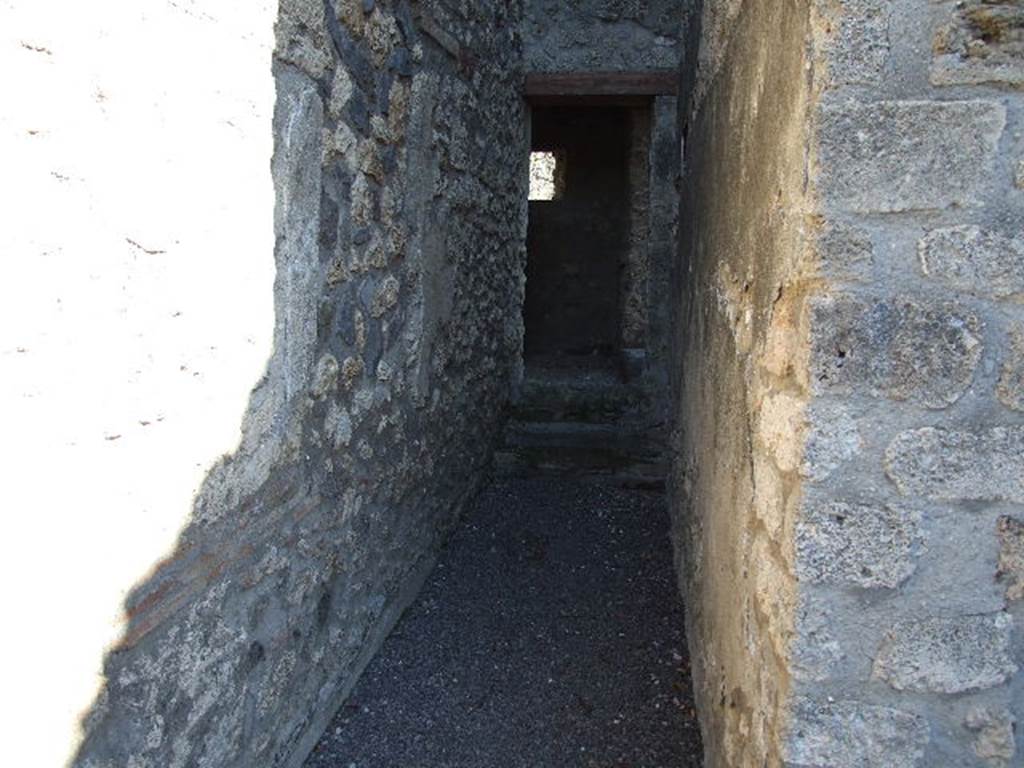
(576, 242)
(584, 405)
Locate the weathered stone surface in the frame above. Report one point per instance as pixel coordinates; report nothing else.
(854, 735)
(833, 439)
(983, 42)
(606, 35)
(859, 45)
(907, 155)
(857, 544)
(1018, 176)
(947, 655)
(1010, 387)
(846, 252)
(983, 465)
(995, 743)
(1011, 556)
(975, 261)
(398, 331)
(902, 348)
(815, 650)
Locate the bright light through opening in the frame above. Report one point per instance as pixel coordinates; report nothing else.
(547, 175)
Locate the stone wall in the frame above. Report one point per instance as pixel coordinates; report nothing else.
(400, 171)
(740, 382)
(601, 35)
(850, 528)
(903, 544)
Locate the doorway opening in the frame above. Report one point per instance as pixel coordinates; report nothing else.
(577, 240)
(585, 404)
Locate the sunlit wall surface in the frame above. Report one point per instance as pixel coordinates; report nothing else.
(136, 313)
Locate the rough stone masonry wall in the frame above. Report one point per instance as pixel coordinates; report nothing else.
(609, 35)
(400, 174)
(852, 528)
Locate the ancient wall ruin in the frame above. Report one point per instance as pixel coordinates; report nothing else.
(740, 284)
(400, 173)
(847, 353)
(608, 35)
(849, 459)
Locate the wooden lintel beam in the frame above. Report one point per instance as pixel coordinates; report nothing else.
(602, 84)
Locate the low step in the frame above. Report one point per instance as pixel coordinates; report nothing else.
(594, 402)
(632, 452)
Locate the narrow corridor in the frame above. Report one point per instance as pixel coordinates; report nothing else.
(549, 634)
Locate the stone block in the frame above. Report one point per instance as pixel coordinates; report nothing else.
(325, 377)
(1010, 387)
(385, 298)
(995, 743)
(832, 439)
(1018, 176)
(902, 348)
(893, 156)
(1011, 556)
(975, 261)
(850, 734)
(846, 252)
(947, 655)
(858, 50)
(857, 544)
(298, 124)
(942, 464)
(302, 38)
(815, 651)
(983, 42)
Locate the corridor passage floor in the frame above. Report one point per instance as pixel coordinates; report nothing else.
(550, 634)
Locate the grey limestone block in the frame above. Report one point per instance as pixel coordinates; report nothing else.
(973, 260)
(852, 734)
(891, 156)
(947, 655)
(1010, 386)
(859, 544)
(946, 464)
(903, 348)
(1011, 556)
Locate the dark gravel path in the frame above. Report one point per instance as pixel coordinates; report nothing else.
(550, 634)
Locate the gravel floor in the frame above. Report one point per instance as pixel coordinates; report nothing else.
(550, 634)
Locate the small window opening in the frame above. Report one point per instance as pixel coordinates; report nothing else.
(547, 175)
